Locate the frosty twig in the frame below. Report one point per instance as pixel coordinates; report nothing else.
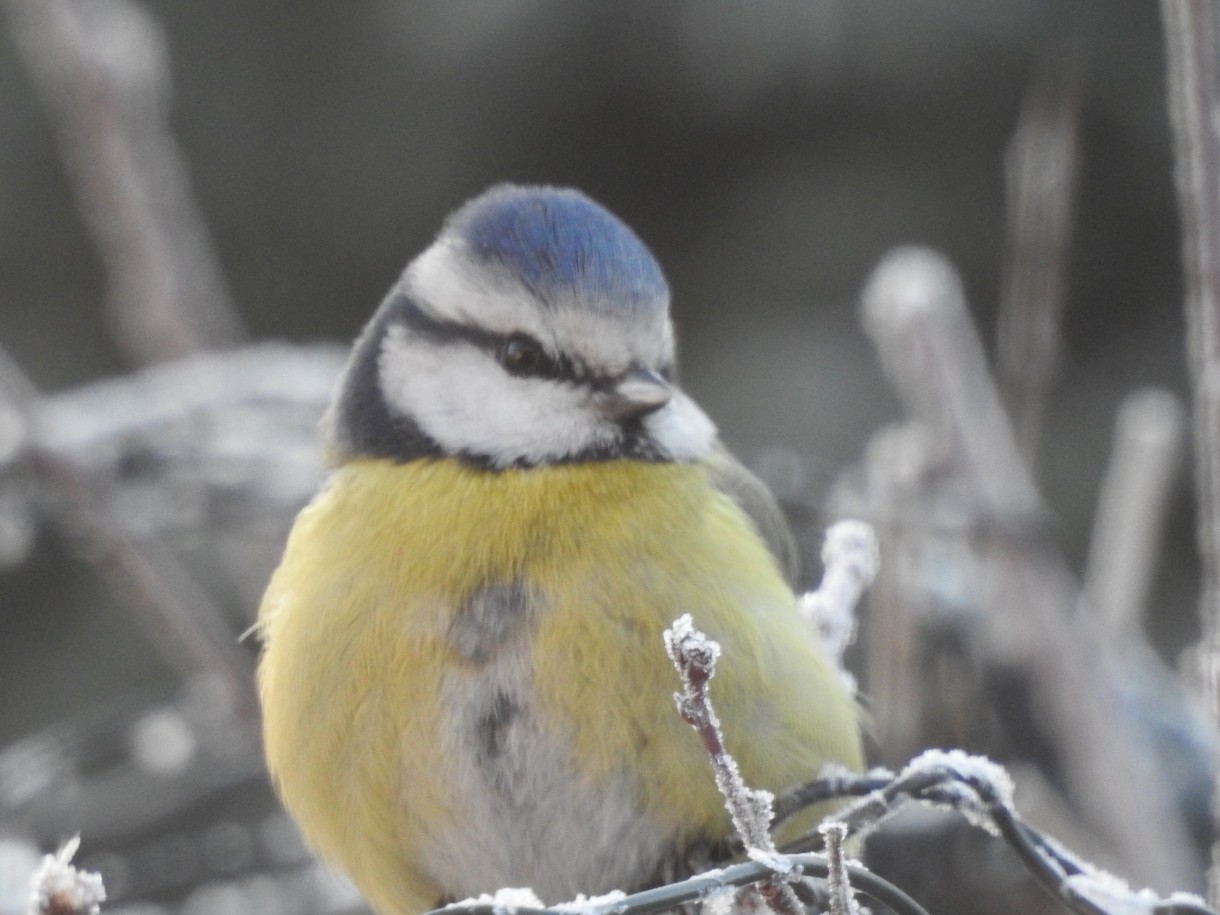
(694, 656)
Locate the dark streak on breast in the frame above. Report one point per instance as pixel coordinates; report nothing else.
(491, 616)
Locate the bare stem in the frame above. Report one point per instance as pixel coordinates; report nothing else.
(842, 897)
(102, 71)
(975, 482)
(1041, 166)
(1131, 511)
(1194, 99)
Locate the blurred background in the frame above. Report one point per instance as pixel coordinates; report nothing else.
(290, 158)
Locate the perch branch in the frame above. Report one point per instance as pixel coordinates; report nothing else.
(975, 787)
(694, 657)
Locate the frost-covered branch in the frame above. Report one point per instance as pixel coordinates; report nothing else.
(694, 657)
(850, 562)
(972, 786)
(842, 896)
(702, 888)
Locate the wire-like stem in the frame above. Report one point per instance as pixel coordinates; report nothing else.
(704, 886)
(974, 786)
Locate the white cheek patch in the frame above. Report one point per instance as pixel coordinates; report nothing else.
(464, 401)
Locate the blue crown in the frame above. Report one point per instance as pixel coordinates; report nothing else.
(558, 241)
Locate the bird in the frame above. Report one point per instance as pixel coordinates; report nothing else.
(462, 675)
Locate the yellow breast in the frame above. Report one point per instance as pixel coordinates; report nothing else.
(363, 677)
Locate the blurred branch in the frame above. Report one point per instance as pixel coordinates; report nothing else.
(1191, 40)
(102, 71)
(126, 769)
(1040, 166)
(181, 618)
(1131, 511)
(964, 473)
(242, 422)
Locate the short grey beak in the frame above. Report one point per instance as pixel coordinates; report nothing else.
(638, 393)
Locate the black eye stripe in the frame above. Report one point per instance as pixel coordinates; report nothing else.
(558, 367)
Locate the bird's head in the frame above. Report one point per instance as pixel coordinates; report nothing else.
(534, 330)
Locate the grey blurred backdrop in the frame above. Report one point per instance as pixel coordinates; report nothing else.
(769, 154)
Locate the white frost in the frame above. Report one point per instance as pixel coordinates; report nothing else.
(608, 902)
(57, 880)
(505, 900)
(1112, 894)
(768, 857)
(850, 559)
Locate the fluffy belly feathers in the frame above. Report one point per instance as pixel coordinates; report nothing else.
(465, 685)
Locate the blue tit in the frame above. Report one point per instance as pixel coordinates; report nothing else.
(463, 679)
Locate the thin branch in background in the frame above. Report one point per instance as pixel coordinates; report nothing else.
(975, 481)
(102, 71)
(891, 650)
(1191, 40)
(1041, 166)
(181, 619)
(59, 888)
(1131, 510)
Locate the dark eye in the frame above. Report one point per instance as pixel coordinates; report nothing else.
(522, 355)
